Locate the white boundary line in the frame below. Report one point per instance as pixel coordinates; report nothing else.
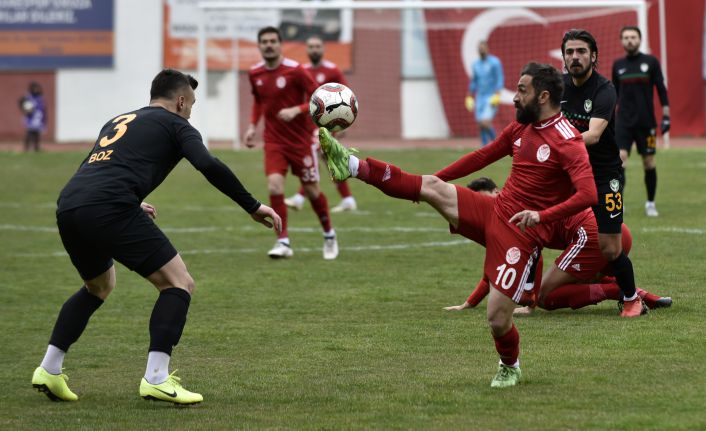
(373, 247)
(204, 229)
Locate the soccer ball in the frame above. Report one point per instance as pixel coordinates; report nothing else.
(333, 106)
(27, 106)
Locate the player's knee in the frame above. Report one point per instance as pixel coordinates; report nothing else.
(187, 283)
(499, 323)
(649, 163)
(610, 251)
(101, 290)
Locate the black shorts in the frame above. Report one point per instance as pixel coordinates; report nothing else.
(609, 211)
(95, 235)
(645, 139)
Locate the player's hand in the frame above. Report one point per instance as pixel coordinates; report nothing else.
(458, 307)
(666, 124)
(288, 114)
(495, 100)
(470, 103)
(264, 213)
(525, 219)
(148, 209)
(523, 311)
(249, 136)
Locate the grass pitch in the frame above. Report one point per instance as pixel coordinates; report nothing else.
(360, 342)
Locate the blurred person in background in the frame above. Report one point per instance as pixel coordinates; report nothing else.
(34, 113)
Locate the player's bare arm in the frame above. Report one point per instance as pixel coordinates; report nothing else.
(595, 129)
(458, 307)
(288, 114)
(249, 136)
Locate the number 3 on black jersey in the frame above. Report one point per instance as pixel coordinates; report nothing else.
(120, 129)
(613, 201)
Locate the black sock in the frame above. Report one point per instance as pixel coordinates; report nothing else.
(168, 319)
(651, 183)
(624, 275)
(73, 318)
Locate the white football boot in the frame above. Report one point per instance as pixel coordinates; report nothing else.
(347, 204)
(330, 248)
(281, 251)
(651, 209)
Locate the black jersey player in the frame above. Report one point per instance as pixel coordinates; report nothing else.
(635, 77)
(101, 216)
(589, 104)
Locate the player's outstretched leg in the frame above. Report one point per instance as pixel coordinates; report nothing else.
(387, 177)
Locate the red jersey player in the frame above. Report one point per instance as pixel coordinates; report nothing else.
(575, 280)
(281, 89)
(323, 71)
(550, 179)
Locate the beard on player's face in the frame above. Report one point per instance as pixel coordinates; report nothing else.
(578, 70)
(529, 113)
(315, 57)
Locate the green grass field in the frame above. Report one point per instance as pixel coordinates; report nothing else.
(358, 343)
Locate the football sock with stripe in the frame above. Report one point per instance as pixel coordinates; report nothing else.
(391, 180)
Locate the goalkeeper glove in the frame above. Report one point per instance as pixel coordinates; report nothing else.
(470, 103)
(495, 100)
(666, 124)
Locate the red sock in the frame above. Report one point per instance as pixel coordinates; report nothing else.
(343, 188)
(575, 296)
(277, 204)
(480, 292)
(390, 179)
(508, 346)
(320, 205)
(301, 191)
(612, 290)
(649, 298)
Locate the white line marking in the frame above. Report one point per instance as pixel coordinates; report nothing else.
(202, 229)
(672, 229)
(263, 250)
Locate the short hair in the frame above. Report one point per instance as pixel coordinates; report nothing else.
(269, 29)
(633, 28)
(482, 184)
(545, 77)
(584, 35)
(168, 82)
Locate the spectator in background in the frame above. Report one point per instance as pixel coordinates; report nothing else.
(35, 115)
(487, 80)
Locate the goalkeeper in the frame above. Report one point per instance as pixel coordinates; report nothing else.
(487, 80)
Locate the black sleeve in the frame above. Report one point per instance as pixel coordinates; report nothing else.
(614, 78)
(658, 80)
(215, 171)
(604, 102)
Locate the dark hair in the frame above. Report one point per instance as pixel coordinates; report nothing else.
(584, 35)
(269, 29)
(545, 78)
(482, 184)
(169, 81)
(633, 28)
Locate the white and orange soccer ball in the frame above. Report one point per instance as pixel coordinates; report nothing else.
(333, 106)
